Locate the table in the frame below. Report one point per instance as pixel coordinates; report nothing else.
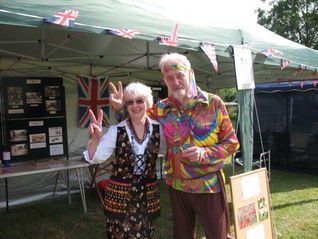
(25, 169)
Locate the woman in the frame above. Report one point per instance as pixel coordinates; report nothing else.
(132, 195)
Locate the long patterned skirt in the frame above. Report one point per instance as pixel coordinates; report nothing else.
(136, 224)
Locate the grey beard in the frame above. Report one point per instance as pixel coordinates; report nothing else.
(180, 94)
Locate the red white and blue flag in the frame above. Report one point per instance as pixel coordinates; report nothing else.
(172, 41)
(271, 52)
(283, 63)
(127, 33)
(300, 69)
(63, 18)
(209, 50)
(313, 74)
(93, 93)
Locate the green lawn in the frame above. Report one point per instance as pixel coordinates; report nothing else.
(294, 199)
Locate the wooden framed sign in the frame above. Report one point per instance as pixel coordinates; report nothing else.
(251, 205)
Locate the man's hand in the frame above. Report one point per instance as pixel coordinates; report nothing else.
(192, 154)
(116, 98)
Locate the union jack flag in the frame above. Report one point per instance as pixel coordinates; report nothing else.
(63, 18)
(271, 52)
(209, 50)
(300, 69)
(93, 94)
(313, 74)
(283, 63)
(127, 33)
(172, 41)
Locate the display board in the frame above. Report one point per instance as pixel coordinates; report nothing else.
(251, 205)
(33, 118)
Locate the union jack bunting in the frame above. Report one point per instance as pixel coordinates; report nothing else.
(63, 18)
(93, 94)
(172, 41)
(313, 74)
(300, 69)
(290, 82)
(271, 52)
(209, 50)
(283, 63)
(127, 33)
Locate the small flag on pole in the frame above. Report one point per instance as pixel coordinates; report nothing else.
(172, 41)
(63, 18)
(209, 50)
(283, 63)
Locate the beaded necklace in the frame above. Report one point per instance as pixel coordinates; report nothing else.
(132, 129)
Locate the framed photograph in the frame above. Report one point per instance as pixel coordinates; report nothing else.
(52, 105)
(17, 135)
(52, 91)
(15, 96)
(19, 149)
(33, 98)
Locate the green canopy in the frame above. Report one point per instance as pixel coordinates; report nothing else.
(29, 45)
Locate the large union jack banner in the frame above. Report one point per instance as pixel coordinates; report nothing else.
(93, 93)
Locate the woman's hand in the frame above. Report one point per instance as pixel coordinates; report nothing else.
(95, 127)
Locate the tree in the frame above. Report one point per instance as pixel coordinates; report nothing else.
(293, 19)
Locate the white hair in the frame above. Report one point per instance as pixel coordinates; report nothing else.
(173, 59)
(139, 89)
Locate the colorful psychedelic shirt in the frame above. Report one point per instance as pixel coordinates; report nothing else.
(204, 122)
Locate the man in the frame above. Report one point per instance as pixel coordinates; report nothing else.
(199, 136)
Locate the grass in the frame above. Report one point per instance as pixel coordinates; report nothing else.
(294, 199)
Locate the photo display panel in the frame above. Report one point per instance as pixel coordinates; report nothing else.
(33, 118)
(33, 97)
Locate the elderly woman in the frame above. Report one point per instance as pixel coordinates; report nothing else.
(132, 195)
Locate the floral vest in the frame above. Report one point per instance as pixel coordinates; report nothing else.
(122, 180)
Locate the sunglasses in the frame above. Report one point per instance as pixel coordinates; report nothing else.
(137, 101)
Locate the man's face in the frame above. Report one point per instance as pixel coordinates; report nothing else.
(177, 82)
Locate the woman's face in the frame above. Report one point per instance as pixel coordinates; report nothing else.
(136, 106)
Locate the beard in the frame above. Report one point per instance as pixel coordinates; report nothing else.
(180, 94)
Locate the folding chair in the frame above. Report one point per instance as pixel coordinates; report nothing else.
(100, 175)
(261, 157)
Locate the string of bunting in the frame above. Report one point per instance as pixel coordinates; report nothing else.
(67, 18)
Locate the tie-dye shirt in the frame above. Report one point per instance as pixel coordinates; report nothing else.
(205, 123)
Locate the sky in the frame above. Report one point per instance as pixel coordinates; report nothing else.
(220, 12)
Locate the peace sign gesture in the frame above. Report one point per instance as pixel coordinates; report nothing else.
(95, 127)
(116, 98)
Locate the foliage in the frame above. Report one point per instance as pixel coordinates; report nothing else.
(293, 19)
(229, 95)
